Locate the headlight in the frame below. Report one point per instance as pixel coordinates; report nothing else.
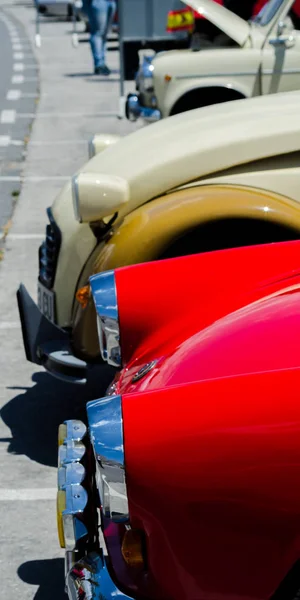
(106, 430)
(105, 298)
(97, 195)
(145, 75)
(72, 497)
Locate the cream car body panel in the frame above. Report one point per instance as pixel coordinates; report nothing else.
(265, 62)
(197, 146)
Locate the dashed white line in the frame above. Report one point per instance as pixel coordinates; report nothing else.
(13, 95)
(18, 67)
(57, 142)
(18, 56)
(17, 79)
(25, 236)
(7, 116)
(4, 140)
(34, 178)
(9, 325)
(66, 115)
(9, 495)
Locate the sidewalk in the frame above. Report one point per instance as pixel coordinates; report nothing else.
(73, 105)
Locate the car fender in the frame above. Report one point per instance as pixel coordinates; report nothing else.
(144, 234)
(246, 89)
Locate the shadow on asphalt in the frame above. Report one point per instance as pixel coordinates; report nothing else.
(34, 415)
(97, 78)
(48, 575)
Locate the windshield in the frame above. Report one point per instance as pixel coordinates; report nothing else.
(267, 13)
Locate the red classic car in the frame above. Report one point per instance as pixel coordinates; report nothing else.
(191, 463)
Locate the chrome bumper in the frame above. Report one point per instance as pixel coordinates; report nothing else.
(89, 579)
(135, 110)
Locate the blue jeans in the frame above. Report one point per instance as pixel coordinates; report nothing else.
(100, 14)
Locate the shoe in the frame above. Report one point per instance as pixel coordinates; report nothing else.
(102, 70)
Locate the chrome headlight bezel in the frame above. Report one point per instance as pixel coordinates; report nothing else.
(104, 292)
(145, 82)
(106, 432)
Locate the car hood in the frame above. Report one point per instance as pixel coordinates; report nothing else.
(235, 27)
(224, 323)
(192, 145)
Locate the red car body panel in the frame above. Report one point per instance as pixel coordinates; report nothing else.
(213, 478)
(212, 432)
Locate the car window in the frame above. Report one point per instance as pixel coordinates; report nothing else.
(267, 13)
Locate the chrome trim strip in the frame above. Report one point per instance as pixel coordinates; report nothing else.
(104, 292)
(285, 72)
(90, 579)
(91, 148)
(106, 432)
(241, 74)
(207, 75)
(75, 197)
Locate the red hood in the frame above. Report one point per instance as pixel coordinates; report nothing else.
(241, 315)
(212, 432)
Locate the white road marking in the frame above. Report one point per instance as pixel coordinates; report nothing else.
(18, 56)
(4, 140)
(58, 142)
(27, 494)
(33, 178)
(17, 79)
(17, 47)
(7, 116)
(9, 325)
(28, 95)
(13, 95)
(25, 236)
(67, 115)
(18, 67)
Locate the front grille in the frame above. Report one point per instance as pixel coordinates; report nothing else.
(48, 252)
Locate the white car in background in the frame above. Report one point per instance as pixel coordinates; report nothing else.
(264, 59)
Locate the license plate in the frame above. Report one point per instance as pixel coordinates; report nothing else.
(46, 302)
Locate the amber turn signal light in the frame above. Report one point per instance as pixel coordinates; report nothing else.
(82, 296)
(168, 78)
(132, 548)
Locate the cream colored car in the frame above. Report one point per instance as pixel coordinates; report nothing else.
(265, 60)
(218, 177)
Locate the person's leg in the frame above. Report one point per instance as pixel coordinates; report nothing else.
(95, 41)
(102, 15)
(111, 9)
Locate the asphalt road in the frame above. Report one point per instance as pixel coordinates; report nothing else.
(72, 106)
(18, 97)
